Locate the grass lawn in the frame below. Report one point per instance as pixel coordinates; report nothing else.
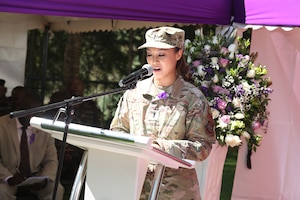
(228, 174)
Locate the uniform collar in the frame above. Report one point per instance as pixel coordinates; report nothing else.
(147, 87)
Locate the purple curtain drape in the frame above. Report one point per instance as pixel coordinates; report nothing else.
(219, 12)
(190, 11)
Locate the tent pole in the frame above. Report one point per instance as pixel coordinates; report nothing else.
(45, 60)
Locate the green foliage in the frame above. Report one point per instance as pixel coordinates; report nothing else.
(106, 56)
(51, 74)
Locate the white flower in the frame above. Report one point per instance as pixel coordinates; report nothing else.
(230, 78)
(207, 48)
(231, 49)
(246, 87)
(232, 140)
(246, 58)
(200, 70)
(221, 138)
(198, 32)
(246, 134)
(189, 59)
(258, 138)
(215, 79)
(214, 60)
(215, 113)
(215, 40)
(222, 124)
(225, 83)
(192, 50)
(251, 73)
(205, 83)
(187, 42)
(239, 116)
(236, 102)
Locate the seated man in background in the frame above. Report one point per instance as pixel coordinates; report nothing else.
(4, 101)
(17, 95)
(86, 113)
(42, 153)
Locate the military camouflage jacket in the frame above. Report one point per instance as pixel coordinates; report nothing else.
(179, 121)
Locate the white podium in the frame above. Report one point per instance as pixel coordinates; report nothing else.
(117, 162)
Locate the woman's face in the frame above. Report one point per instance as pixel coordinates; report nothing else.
(163, 62)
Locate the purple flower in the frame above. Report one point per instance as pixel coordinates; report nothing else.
(267, 90)
(255, 125)
(221, 104)
(224, 51)
(204, 90)
(223, 62)
(220, 90)
(228, 108)
(209, 71)
(196, 63)
(240, 56)
(32, 138)
(222, 70)
(240, 90)
(163, 95)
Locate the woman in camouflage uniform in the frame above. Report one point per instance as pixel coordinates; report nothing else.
(170, 110)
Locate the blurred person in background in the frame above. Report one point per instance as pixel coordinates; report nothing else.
(5, 106)
(43, 161)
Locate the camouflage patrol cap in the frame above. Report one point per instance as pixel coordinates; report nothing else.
(164, 38)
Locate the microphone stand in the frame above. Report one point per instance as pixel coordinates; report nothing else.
(69, 112)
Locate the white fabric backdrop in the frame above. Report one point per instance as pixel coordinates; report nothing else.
(275, 173)
(13, 47)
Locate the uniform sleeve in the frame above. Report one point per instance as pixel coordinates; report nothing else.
(120, 122)
(200, 134)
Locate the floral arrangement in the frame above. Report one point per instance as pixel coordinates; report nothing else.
(237, 89)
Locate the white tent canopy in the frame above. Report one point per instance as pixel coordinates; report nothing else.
(74, 24)
(13, 41)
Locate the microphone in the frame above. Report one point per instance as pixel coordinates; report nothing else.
(146, 70)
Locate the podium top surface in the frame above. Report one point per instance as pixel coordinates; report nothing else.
(118, 142)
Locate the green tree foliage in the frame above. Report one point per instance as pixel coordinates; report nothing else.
(52, 73)
(106, 56)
